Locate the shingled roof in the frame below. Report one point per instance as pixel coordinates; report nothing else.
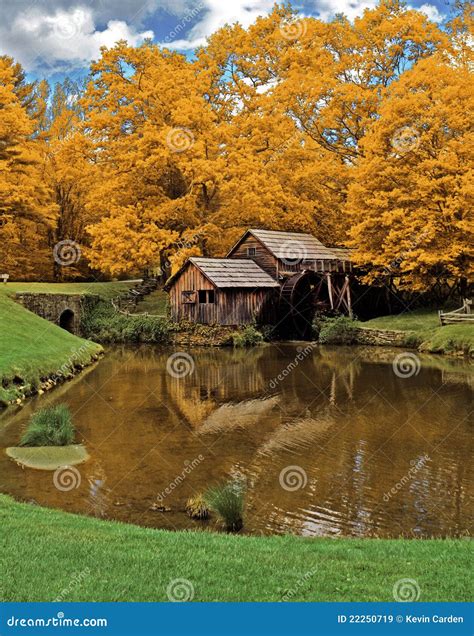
(225, 273)
(295, 246)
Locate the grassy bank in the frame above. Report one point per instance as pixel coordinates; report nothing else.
(105, 290)
(425, 332)
(33, 349)
(155, 303)
(47, 552)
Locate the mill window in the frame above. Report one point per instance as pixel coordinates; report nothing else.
(207, 296)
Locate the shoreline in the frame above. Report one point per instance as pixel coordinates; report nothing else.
(49, 382)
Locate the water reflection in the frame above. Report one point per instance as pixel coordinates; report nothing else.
(341, 416)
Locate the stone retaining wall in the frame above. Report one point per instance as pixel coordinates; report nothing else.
(381, 337)
(64, 310)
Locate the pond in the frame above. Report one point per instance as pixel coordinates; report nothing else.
(329, 440)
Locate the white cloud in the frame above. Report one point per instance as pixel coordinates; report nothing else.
(327, 9)
(64, 37)
(216, 14)
(431, 12)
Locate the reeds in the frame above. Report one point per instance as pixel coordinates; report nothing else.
(50, 426)
(227, 501)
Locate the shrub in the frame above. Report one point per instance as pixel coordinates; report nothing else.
(196, 507)
(340, 330)
(51, 426)
(227, 501)
(247, 337)
(103, 323)
(320, 320)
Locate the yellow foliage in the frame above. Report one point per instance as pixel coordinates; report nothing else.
(357, 132)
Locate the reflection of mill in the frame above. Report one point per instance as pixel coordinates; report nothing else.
(236, 384)
(218, 378)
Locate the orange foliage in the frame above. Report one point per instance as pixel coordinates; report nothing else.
(291, 124)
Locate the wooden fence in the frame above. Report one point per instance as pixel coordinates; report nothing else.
(463, 315)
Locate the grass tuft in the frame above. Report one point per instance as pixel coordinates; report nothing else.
(197, 508)
(51, 426)
(104, 324)
(227, 501)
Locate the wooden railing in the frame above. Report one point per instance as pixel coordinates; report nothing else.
(463, 315)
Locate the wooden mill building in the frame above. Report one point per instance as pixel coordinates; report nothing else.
(268, 277)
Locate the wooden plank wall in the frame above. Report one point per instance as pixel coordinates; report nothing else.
(191, 279)
(263, 257)
(232, 307)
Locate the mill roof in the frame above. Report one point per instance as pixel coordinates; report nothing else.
(295, 246)
(227, 273)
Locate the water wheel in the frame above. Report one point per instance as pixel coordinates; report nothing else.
(298, 296)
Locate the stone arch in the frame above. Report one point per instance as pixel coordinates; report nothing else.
(67, 320)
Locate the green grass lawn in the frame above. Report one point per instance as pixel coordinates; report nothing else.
(424, 330)
(423, 320)
(155, 303)
(32, 348)
(44, 551)
(106, 290)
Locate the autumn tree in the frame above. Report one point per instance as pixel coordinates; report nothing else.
(26, 208)
(411, 197)
(70, 174)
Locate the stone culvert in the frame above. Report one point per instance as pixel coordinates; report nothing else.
(65, 310)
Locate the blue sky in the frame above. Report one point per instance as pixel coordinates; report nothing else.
(56, 37)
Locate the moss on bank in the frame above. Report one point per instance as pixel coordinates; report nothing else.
(43, 548)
